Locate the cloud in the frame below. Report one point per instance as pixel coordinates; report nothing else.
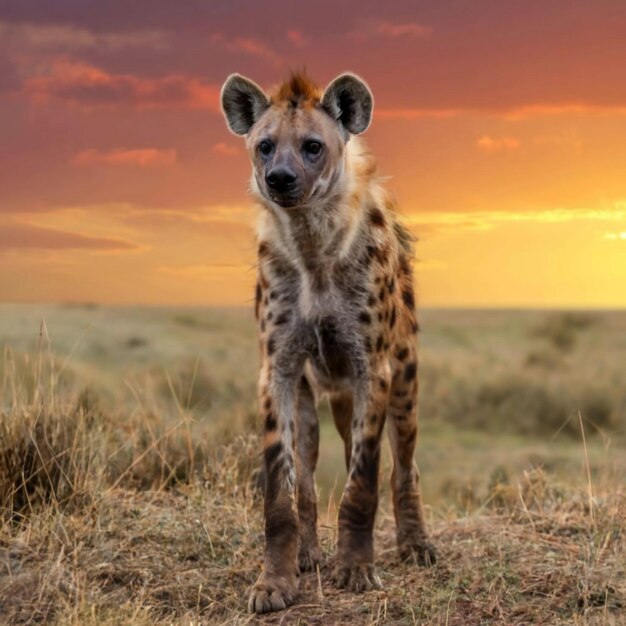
(497, 144)
(248, 45)
(85, 86)
(297, 38)
(404, 29)
(225, 149)
(14, 235)
(68, 36)
(558, 141)
(563, 108)
(367, 29)
(143, 157)
(412, 113)
(205, 271)
(513, 113)
(431, 223)
(615, 236)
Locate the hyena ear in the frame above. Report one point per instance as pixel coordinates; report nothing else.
(243, 102)
(349, 101)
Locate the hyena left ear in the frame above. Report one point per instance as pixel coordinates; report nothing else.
(349, 101)
(243, 103)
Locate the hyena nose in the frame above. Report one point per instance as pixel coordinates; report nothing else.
(280, 179)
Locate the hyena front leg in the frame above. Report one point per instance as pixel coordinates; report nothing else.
(308, 438)
(411, 533)
(354, 564)
(277, 585)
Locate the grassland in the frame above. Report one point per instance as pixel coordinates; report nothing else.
(128, 450)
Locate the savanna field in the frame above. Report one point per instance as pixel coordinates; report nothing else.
(129, 451)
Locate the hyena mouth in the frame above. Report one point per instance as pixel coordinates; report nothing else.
(287, 200)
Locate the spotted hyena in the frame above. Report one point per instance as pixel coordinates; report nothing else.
(336, 313)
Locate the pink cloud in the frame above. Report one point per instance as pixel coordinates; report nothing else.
(297, 38)
(225, 149)
(15, 235)
(498, 144)
(416, 113)
(369, 28)
(80, 84)
(248, 45)
(406, 29)
(144, 157)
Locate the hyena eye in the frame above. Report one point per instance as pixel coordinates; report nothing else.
(265, 147)
(313, 147)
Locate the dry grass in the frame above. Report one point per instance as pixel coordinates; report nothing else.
(146, 514)
(530, 553)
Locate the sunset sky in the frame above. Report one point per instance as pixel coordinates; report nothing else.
(500, 124)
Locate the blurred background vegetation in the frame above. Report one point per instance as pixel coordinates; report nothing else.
(501, 392)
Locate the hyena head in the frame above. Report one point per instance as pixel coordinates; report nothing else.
(296, 136)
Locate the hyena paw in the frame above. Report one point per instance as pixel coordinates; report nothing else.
(420, 551)
(356, 578)
(309, 557)
(271, 594)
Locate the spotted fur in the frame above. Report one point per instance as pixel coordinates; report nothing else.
(336, 314)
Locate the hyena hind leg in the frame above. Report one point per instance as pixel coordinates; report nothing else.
(411, 533)
(341, 405)
(307, 448)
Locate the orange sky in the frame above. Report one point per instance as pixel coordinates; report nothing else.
(501, 125)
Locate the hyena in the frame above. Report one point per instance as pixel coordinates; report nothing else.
(336, 313)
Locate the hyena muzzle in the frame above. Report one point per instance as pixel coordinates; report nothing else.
(336, 313)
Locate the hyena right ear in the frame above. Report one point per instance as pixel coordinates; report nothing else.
(243, 102)
(349, 101)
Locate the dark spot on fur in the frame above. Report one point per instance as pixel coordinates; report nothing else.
(271, 453)
(371, 301)
(408, 297)
(381, 294)
(392, 317)
(271, 345)
(273, 295)
(383, 383)
(257, 300)
(365, 317)
(409, 442)
(270, 315)
(283, 318)
(410, 371)
(267, 405)
(263, 249)
(376, 217)
(379, 343)
(392, 285)
(270, 422)
(402, 353)
(408, 406)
